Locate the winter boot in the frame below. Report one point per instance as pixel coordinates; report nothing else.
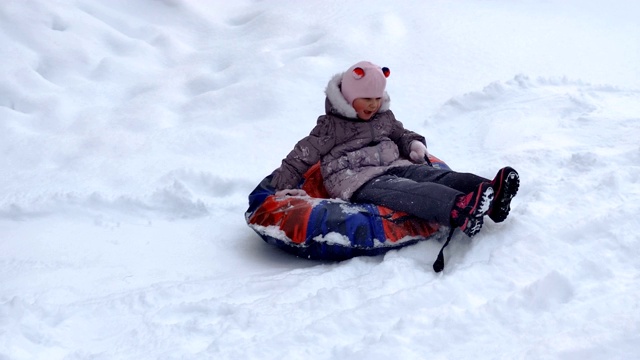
(469, 210)
(505, 185)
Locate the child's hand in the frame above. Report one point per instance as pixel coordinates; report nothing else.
(291, 192)
(418, 152)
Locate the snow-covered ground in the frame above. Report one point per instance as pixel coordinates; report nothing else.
(132, 131)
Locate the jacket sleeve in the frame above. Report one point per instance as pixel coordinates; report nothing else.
(403, 137)
(305, 154)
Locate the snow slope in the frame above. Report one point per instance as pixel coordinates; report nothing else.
(132, 131)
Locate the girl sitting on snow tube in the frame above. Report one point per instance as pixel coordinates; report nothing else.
(367, 157)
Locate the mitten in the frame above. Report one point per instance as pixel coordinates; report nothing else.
(418, 152)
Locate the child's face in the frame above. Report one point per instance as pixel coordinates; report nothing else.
(366, 107)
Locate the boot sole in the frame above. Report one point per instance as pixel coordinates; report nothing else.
(508, 185)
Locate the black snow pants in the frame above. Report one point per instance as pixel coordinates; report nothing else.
(419, 190)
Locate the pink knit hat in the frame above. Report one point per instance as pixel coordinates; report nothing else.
(364, 80)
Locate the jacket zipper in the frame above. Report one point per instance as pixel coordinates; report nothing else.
(373, 137)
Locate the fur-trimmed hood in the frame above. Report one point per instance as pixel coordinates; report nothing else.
(337, 104)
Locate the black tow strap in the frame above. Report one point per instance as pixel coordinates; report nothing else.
(439, 264)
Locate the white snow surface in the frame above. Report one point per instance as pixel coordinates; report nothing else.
(132, 131)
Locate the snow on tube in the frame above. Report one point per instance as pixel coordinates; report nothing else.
(320, 228)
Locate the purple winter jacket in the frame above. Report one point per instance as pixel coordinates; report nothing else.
(351, 151)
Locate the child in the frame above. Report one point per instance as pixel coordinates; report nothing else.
(367, 156)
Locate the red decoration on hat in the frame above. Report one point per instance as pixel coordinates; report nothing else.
(358, 73)
(386, 71)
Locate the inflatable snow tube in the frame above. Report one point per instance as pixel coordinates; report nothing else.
(320, 228)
